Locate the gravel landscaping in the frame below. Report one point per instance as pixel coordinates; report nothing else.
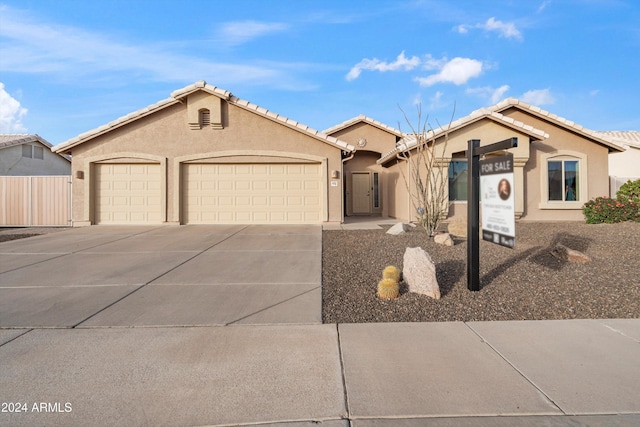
(14, 233)
(524, 283)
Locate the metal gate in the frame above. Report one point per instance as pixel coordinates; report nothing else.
(35, 201)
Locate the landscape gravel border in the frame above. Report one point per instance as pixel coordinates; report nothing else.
(524, 283)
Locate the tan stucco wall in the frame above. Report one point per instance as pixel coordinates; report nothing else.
(165, 137)
(561, 141)
(13, 164)
(378, 140)
(395, 177)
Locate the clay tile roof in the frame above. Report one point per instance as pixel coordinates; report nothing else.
(362, 119)
(178, 94)
(600, 137)
(626, 138)
(409, 141)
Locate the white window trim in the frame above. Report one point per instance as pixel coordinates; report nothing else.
(583, 173)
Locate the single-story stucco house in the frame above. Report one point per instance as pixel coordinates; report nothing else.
(30, 155)
(204, 156)
(558, 164)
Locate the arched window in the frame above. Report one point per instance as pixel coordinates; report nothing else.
(563, 180)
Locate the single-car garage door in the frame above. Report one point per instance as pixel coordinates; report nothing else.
(127, 194)
(274, 193)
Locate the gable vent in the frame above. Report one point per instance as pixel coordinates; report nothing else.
(205, 118)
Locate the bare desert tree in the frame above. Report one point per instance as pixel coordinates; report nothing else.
(426, 176)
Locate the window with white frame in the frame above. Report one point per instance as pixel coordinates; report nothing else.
(563, 179)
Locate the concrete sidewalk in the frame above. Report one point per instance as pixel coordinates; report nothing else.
(556, 373)
(222, 326)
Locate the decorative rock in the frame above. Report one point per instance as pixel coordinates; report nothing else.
(458, 228)
(443, 239)
(419, 272)
(399, 228)
(567, 254)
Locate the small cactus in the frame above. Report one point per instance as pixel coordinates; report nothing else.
(392, 273)
(388, 289)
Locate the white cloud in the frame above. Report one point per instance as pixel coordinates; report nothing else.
(235, 33)
(68, 53)
(491, 93)
(498, 94)
(504, 29)
(457, 71)
(401, 63)
(543, 6)
(538, 97)
(11, 113)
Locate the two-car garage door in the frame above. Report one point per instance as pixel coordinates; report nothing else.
(264, 193)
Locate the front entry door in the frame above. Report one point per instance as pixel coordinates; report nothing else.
(361, 192)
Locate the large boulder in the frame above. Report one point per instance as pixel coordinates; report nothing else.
(419, 272)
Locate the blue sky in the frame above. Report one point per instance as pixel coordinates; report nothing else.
(68, 66)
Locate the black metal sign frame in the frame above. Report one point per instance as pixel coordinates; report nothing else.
(474, 152)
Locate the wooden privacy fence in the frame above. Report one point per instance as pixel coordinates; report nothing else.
(35, 201)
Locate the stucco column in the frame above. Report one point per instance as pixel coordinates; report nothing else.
(443, 164)
(518, 178)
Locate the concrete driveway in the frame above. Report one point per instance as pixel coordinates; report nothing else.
(163, 276)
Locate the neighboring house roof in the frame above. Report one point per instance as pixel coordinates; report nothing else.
(561, 121)
(176, 97)
(409, 141)
(625, 138)
(362, 119)
(10, 140)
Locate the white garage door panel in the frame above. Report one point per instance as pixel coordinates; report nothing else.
(127, 194)
(252, 193)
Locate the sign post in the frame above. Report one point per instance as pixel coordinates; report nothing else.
(474, 152)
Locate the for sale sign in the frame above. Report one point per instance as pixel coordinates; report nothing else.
(498, 206)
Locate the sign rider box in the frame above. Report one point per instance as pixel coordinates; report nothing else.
(498, 207)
